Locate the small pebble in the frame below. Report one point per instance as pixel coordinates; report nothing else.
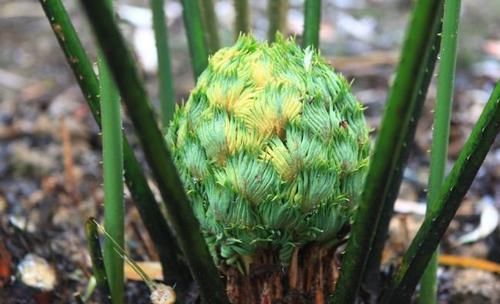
(36, 272)
(163, 294)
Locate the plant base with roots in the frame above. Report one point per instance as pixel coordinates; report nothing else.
(309, 278)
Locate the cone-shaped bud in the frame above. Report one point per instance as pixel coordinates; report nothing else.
(272, 148)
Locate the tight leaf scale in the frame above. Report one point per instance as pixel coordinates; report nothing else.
(272, 149)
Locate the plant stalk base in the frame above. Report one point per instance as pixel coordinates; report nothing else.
(309, 278)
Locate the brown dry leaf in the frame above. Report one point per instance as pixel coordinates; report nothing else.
(364, 64)
(69, 172)
(152, 269)
(468, 262)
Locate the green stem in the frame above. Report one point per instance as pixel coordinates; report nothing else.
(428, 282)
(391, 140)
(97, 260)
(91, 285)
(165, 79)
(312, 21)
(372, 281)
(277, 12)
(242, 21)
(134, 95)
(441, 131)
(174, 269)
(114, 214)
(209, 19)
(112, 159)
(195, 36)
(75, 54)
(446, 203)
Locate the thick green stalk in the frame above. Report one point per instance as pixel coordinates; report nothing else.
(112, 159)
(174, 269)
(372, 281)
(242, 21)
(277, 14)
(165, 79)
(97, 260)
(75, 53)
(446, 203)
(134, 96)
(391, 139)
(209, 19)
(114, 213)
(312, 21)
(441, 131)
(195, 36)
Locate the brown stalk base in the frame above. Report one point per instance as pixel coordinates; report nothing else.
(309, 278)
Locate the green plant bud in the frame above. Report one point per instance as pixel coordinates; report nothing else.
(272, 148)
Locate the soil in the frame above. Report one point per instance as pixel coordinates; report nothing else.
(50, 147)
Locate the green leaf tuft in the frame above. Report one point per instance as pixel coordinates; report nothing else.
(272, 148)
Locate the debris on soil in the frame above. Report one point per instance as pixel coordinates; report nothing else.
(5, 265)
(487, 223)
(473, 286)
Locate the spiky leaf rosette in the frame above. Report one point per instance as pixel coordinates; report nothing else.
(272, 148)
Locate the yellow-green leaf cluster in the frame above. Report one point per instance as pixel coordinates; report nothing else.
(272, 148)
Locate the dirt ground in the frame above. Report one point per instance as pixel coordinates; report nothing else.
(50, 148)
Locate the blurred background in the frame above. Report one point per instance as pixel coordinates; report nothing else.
(50, 170)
